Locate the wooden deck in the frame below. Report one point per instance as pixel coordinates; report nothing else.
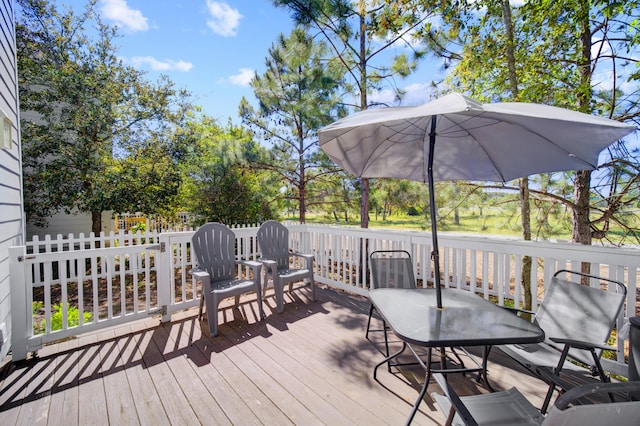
(308, 365)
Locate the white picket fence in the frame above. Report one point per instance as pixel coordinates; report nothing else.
(122, 277)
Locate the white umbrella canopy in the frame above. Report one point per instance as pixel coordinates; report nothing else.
(489, 142)
(457, 138)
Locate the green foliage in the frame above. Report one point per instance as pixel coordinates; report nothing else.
(93, 129)
(218, 184)
(138, 227)
(297, 95)
(557, 53)
(73, 317)
(358, 34)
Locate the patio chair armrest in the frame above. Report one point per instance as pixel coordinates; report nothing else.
(578, 344)
(255, 266)
(204, 277)
(567, 399)
(309, 258)
(269, 265)
(199, 274)
(456, 403)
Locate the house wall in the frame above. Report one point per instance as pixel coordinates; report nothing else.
(11, 206)
(65, 224)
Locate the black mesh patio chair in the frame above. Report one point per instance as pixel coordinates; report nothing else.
(394, 269)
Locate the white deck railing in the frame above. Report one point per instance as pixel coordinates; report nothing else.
(132, 277)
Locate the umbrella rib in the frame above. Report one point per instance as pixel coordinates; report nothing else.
(467, 130)
(570, 154)
(458, 125)
(383, 148)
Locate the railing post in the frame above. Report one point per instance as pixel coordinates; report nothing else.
(19, 308)
(164, 271)
(306, 239)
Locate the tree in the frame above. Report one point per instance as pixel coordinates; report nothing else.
(218, 183)
(358, 33)
(87, 118)
(297, 96)
(561, 51)
(540, 54)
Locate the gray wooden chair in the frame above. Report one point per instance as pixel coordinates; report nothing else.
(510, 407)
(214, 246)
(577, 321)
(276, 258)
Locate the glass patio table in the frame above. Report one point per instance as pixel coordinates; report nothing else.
(464, 320)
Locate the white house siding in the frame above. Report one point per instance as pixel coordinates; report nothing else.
(11, 206)
(65, 224)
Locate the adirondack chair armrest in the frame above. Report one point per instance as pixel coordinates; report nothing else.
(202, 276)
(309, 258)
(199, 274)
(255, 266)
(578, 344)
(270, 265)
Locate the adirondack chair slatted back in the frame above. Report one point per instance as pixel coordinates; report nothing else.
(579, 312)
(273, 241)
(214, 246)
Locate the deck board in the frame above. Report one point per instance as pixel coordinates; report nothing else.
(308, 365)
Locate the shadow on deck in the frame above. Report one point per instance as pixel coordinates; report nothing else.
(308, 365)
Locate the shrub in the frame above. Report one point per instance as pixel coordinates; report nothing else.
(73, 317)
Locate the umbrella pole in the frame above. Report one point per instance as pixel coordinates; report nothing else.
(435, 254)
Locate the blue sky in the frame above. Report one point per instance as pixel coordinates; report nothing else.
(212, 47)
(209, 47)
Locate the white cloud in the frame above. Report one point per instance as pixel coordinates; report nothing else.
(604, 80)
(119, 11)
(157, 65)
(243, 78)
(384, 97)
(415, 94)
(223, 19)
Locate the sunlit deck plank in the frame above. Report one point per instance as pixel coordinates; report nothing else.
(308, 365)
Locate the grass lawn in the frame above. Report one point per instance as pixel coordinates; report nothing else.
(469, 223)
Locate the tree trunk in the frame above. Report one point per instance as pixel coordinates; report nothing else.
(581, 229)
(525, 210)
(525, 207)
(364, 202)
(581, 232)
(96, 225)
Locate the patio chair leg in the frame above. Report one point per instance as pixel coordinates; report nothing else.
(366, 336)
(547, 399)
(201, 307)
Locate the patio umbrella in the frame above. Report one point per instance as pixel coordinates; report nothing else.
(457, 138)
